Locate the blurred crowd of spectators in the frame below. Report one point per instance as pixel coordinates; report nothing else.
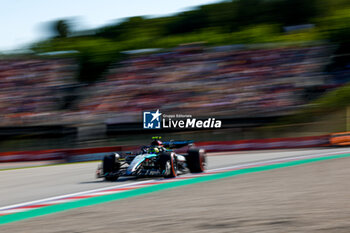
(33, 90)
(209, 82)
(202, 81)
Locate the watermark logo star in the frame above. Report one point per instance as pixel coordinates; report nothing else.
(156, 115)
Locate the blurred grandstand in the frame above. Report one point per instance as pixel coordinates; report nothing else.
(219, 81)
(222, 81)
(34, 91)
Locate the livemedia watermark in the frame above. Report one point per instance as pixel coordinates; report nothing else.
(157, 120)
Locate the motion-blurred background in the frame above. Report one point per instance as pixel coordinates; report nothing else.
(267, 68)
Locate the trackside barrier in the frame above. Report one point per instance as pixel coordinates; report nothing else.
(261, 144)
(69, 155)
(89, 154)
(23, 156)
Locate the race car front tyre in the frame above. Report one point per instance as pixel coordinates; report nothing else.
(196, 160)
(110, 167)
(168, 165)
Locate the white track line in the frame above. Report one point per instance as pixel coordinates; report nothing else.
(104, 191)
(73, 194)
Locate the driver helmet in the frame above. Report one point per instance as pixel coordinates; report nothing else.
(154, 150)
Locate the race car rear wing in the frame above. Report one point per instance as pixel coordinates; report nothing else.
(177, 144)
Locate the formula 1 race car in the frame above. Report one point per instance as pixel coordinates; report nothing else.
(158, 159)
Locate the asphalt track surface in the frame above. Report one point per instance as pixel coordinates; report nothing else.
(313, 197)
(31, 184)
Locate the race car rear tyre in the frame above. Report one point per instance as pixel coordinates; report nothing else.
(110, 168)
(168, 165)
(196, 160)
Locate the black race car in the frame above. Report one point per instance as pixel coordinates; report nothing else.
(157, 159)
